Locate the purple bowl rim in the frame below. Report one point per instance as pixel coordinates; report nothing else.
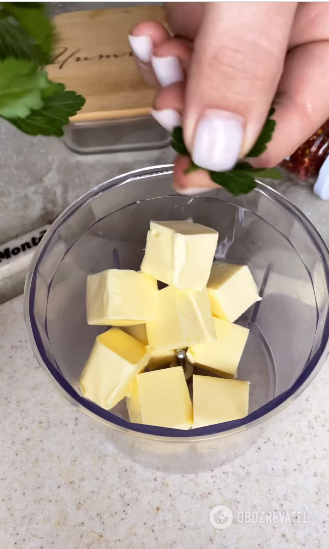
(258, 416)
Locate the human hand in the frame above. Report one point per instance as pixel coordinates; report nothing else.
(219, 75)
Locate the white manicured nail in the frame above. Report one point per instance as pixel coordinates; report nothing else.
(142, 47)
(218, 140)
(191, 191)
(168, 70)
(168, 118)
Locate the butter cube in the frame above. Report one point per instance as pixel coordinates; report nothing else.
(161, 398)
(160, 357)
(180, 253)
(116, 358)
(232, 290)
(223, 355)
(184, 319)
(121, 298)
(217, 400)
(138, 331)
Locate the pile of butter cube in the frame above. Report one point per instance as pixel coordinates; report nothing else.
(195, 312)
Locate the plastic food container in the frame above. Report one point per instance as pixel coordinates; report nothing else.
(93, 57)
(289, 328)
(118, 135)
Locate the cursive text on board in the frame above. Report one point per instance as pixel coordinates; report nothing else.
(65, 56)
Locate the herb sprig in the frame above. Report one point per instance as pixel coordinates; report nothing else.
(28, 99)
(241, 179)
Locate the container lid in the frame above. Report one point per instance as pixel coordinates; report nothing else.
(93, 58)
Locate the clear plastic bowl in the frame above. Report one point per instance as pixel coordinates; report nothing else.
(289, 328)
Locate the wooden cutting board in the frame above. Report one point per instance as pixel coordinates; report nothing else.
(93, 58)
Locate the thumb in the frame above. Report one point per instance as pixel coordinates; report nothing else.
(236, 66)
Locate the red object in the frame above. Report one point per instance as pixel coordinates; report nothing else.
(305, 163)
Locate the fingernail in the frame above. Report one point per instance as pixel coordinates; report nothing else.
(168, 70)
(218, 140)
(168, 118)
(142, 47)
(191, 191)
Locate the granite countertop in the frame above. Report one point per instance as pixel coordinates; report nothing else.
(63, 485)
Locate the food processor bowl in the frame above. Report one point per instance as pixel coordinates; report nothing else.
(107, 227)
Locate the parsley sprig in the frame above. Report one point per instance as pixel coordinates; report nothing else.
(28, 99)
(241, 179)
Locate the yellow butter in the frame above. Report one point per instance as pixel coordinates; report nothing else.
(116, 358)
(180, 253)
(217, 400)
(121, 298)
(161, 398)
(223, 355)
(160, 357)
(138, 331)
(133, 404)
(188, 368)
(184, 319)
(232, 290)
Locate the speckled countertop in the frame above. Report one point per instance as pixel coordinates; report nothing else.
(63, 486)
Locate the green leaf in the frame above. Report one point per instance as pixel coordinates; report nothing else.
(265, 136)
(243, 166)
(52, 89)
(15, 41)
(264, 173)
(54, 114)
(178, 141)
(26, 31)
(21, 84)
(28, 100)
(236, 182)
(28, 5)
(241, 180)
(269, 173)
